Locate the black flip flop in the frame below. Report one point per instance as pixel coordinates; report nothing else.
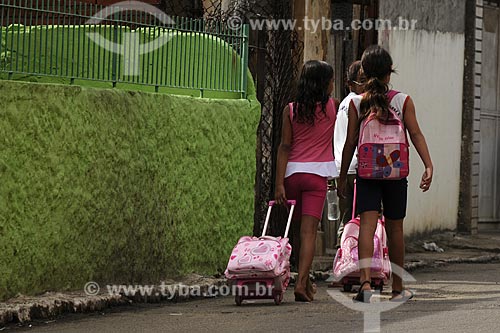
(301, 298)
(363, 295)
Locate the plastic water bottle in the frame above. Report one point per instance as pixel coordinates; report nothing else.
(333, 204)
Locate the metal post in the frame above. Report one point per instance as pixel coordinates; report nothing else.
(244, 60)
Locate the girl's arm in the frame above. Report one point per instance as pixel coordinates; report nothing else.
(418, 140)
(349, 147)
(283, 151)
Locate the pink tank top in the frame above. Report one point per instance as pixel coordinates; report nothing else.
(312, 145)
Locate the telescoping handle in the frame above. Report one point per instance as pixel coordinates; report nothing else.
(292, 203)
(354, 201)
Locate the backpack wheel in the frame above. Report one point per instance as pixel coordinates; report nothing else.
(347, 288)
(278, 297)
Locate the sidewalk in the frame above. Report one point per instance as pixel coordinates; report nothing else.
(457, 249)
(481, 248)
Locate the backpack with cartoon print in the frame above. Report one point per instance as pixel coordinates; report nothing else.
(383, 149)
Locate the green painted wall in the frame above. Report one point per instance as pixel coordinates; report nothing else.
(119, 187)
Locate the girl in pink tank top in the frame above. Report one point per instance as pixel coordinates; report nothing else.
(305, 162)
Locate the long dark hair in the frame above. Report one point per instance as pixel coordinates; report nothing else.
(376, 64)
(312, 89)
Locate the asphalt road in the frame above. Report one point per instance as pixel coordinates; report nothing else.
(455, 298)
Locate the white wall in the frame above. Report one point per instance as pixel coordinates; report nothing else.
(430, 69)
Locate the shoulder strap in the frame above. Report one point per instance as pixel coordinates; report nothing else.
(391, 94)
(398, 103)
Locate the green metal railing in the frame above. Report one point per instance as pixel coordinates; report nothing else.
(79, 41)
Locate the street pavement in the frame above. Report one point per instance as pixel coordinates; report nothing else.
(449, 298)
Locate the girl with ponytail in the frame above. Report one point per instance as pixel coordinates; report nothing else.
(376, 65)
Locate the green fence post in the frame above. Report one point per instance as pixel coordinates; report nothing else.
(18, 38)
(244, 60)
(114, 54)
(12, 42)
(1, 40)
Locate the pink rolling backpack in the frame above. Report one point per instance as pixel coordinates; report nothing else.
(263, 260)
(345, 265)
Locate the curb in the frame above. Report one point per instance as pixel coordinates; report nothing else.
(24, 309)
(412, 266)
(48, 306)
(51, 305)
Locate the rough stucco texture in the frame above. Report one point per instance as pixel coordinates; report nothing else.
(434, 80)
(432, 15)
(119, 187)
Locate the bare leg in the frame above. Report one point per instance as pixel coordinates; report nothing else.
(311, 289)
(308, 230)
(396, 243)
(296, 242)
(367, 229)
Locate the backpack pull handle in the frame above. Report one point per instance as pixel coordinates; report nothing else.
(354, 202)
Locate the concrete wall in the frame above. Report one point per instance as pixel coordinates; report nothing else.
(430, 65)
(432, 15)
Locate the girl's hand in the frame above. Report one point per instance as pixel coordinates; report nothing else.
(341, 184)
(426, 181)
(279, 194)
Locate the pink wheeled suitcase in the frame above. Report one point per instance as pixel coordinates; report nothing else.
(259, 267)
(345, 265)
